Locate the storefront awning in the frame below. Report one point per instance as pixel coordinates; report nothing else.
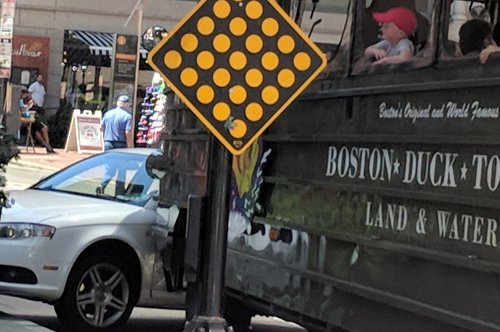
(99, 43)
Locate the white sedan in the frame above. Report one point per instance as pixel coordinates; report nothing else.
(88, 240)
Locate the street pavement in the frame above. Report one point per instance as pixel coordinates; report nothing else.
(38, 159)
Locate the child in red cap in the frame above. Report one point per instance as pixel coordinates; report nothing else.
(396, 24)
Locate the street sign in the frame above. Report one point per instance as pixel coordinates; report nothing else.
(237, 64)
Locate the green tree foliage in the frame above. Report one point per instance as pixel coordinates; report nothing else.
(8, 150)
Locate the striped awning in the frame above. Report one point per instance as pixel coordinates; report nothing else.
(100, 43)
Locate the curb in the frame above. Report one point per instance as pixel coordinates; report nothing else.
(13, 324)
(22, 326)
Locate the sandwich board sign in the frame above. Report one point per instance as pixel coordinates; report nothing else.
(84, 133)
(237, 65)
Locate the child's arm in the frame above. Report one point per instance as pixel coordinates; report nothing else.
(485, 54)
(374, 52)
(403, 56)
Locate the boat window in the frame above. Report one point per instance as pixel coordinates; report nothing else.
(419, 43)
(473, 33)
(328, 23)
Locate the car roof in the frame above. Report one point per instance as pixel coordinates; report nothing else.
(141, 151)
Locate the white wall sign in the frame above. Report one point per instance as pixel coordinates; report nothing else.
(6, 28)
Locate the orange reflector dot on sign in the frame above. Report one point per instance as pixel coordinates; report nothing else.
(222, 9)
(237, 60)
(254, 77)
(221, 111)
(302, 61)
(254, 112)
(221, 43)
(189, 42)
(239, 129)
(238, 94)
(205, 60)
(270, 95)
(221, 77)
(205, 25)
(286, 44)
(270, 61)
(253, 44)
(270, 27)
(189, 77)
(205, 94)
(238, 26)
(253, 10)
(286, 78)
(173, 59)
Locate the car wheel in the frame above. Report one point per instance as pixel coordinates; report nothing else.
(100, 294)
(237, 314)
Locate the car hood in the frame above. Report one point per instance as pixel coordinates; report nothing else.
(62, 209)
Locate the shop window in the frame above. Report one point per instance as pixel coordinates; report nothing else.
(472, 27)
(368, 33)
(25, 77)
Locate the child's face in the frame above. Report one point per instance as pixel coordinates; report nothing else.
(488, 40)
(391, 32)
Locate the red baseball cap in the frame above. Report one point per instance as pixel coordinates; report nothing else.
(404, 19)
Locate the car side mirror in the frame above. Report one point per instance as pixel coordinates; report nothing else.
(155, 165)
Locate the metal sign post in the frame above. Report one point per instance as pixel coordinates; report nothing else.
(214, 262)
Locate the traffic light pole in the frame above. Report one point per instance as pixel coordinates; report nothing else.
(215, 241)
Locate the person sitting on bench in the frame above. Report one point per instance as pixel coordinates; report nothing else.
(28, 116)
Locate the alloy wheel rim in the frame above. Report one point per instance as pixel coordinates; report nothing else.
(102, 295)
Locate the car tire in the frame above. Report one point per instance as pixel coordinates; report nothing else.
(237, 315)
(99, 295)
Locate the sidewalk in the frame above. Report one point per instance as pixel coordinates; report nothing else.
(53, 161)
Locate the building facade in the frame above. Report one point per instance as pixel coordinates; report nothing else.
(51, 19)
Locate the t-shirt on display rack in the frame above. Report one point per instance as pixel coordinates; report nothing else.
(151, 122)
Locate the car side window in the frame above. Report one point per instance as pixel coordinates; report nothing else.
(83, 183)
(111, 176)
(118, 178)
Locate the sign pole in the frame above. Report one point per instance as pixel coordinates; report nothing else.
(213, 265)
(218, 229)
(3, 117)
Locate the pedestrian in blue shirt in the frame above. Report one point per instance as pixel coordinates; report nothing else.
(117, 125)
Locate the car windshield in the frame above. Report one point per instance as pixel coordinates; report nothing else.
(118, 176)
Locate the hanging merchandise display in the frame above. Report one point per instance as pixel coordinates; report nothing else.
(152, 117)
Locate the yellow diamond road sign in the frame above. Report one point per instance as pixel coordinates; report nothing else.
(237, 64)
